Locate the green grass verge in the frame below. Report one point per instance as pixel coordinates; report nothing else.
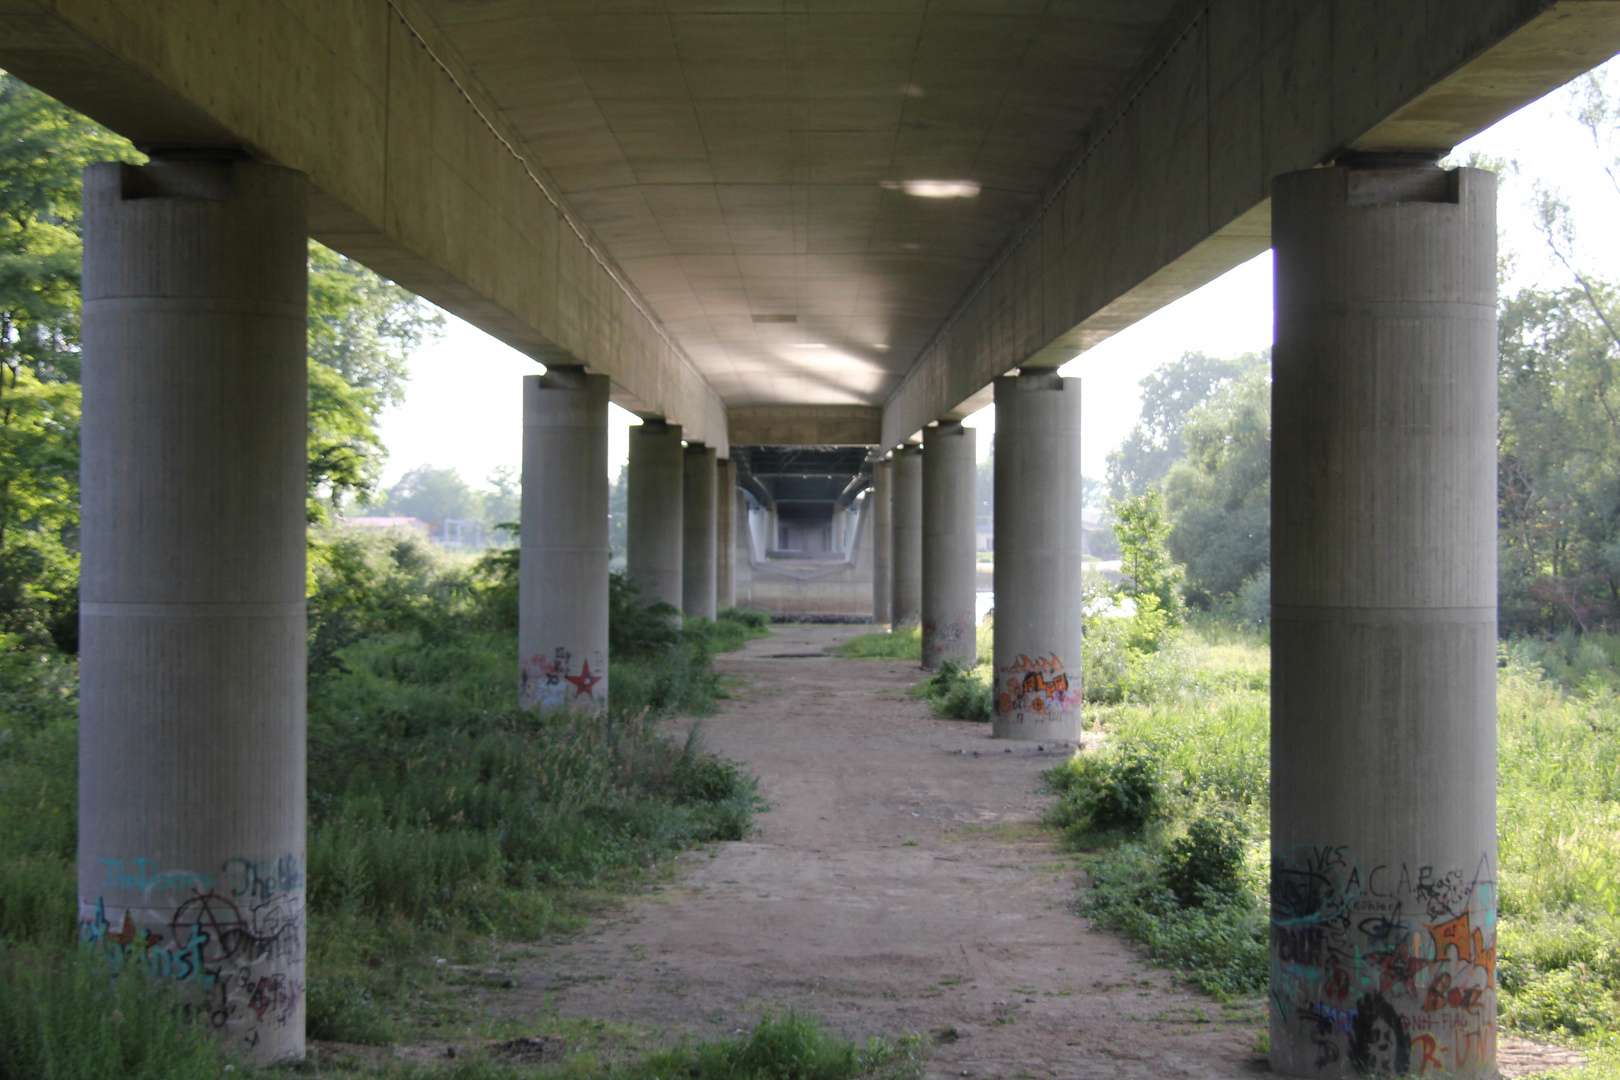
(1171, 817)
(443, 820)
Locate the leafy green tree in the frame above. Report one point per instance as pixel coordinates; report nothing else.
(502, 502)
(1218, 496)
(362, 329)
(44, 148)
(1168, 395)
(1153, 578)
(1559, 423)
(432, 495)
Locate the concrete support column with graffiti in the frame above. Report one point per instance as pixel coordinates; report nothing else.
(1039, 497)
(653, 518)
(950, 486)
(882, 543)
(1383, 936)
(698, 557)
(725, 527)
(563, 563)
(906, 511)
(192, 662)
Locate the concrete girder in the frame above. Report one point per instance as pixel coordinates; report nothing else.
(414, 174)
(806, 425)
(1174, 187)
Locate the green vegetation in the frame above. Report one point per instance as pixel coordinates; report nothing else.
(901, 643)
(443, 819)
(1171, 815)
(792, 1046)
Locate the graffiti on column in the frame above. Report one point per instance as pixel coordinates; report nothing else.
(232, 940)
(945, 638)
(1034, 691)
(1391, 968)
(552, 682)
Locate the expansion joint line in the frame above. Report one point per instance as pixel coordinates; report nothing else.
(1034, 220)
(557, 204)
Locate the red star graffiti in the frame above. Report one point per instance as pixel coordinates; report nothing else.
(584, 681)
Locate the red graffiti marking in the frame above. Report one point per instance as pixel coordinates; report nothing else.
(584, 681)
(1426, 1044)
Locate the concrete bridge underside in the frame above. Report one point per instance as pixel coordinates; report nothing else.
(833, 223)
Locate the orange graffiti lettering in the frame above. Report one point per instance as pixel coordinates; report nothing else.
(1454, 933)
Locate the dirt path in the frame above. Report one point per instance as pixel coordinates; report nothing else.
(898, 884)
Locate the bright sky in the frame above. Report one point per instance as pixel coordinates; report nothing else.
(462, 405)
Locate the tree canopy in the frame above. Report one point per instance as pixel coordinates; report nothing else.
(361, 328)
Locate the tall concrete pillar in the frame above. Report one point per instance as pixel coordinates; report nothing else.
(742, 549)
(1039, 499)
(950, 484)
(191, 714)
(698, 555)
(653, 519)
(882, 543)
(725, 547)
(906, 515)
(1383, 768)
(563, 560)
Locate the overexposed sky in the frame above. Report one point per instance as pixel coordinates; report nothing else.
(463, 407)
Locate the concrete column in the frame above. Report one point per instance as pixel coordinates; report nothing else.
(882, 543)
(725, 547)
(1039, 498)
(950, 483)
(191, 715)
(563, 561)
(698, 556)
(1383, 880)
(653, 521)
(742, 550)
(906, 513)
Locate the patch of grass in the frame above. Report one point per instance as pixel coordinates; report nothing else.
(901, 643)
(442, 818)
(1172, 817)
(62, 1018)
(793, 1046)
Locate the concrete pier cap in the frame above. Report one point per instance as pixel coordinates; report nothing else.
(1383, 878)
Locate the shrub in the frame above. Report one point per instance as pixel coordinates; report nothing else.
(961, 694)
(1117, 788)
(1566, 1001)
(1205, 867)
(752, 618)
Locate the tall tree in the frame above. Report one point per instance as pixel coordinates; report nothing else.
(1168, 395)
(1559, 422)
(44, 148)
(362, 329)
(1218, 496)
